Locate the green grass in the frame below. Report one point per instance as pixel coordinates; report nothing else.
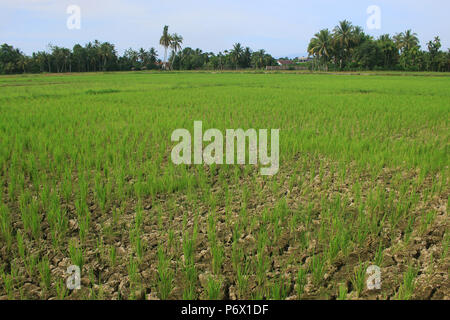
(85, 160)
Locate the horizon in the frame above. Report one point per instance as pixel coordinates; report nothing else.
(31, 25)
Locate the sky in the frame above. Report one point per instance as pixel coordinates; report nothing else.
(281, 27)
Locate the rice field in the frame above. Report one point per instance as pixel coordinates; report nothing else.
(86, 180)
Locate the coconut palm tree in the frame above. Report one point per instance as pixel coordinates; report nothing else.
(321, 46)
(175, 44)
(236, 53)
(343, 37)
(165, 41)
(153, 55)
(344, 33)
(410, 40)
(406, 41)
(398, 40)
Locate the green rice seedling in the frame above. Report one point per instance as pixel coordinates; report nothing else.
(262, 265)
(378, 260)
(213, 288)
(20, 245)
(83, 224)
(359, 278)
(112, 255)
(407, 287)
(14, 269)
(279, 289)
(66, 185)
(92, 277)
(189, 243)
(303, 239)
(100, 248)
(44, 272)
(212, 237)
(190, 273)
(35, 221)
(83, 189)
(333, 249)
(5, 226)
(317, 268)
(31, 262)
(242, 279)
(8, 284)
(237, 255)
(12, 186)
(58, 224)
(133, 271)
(277, 229)
(300, 282)
(76, 255)
(427, 220)
(45, 194)
(189, 292)
(138, 246)
(117, 213)
(61, 289)
(165, 274)
(217, 253)
(342, 292)
(138, 219)
(171, 237)
(409, 228)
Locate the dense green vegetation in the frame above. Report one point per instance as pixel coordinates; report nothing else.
(98, 56)
(349, 48)
(346, 48)
(86, 179)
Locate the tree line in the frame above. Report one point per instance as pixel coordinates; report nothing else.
(103, 56)
(347, 47)
(92, 57)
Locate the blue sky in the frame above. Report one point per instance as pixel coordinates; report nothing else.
(282, 27)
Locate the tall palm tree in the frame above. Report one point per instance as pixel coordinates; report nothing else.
(343, 36)
(398, 40)
(410, 40)
(321, 46)
(175, 43)
(153, 55)
(165, 41)
(344, 33)
(236, 53)
(406, 41)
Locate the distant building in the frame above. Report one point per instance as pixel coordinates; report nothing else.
(285, 63)
(303, 59)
